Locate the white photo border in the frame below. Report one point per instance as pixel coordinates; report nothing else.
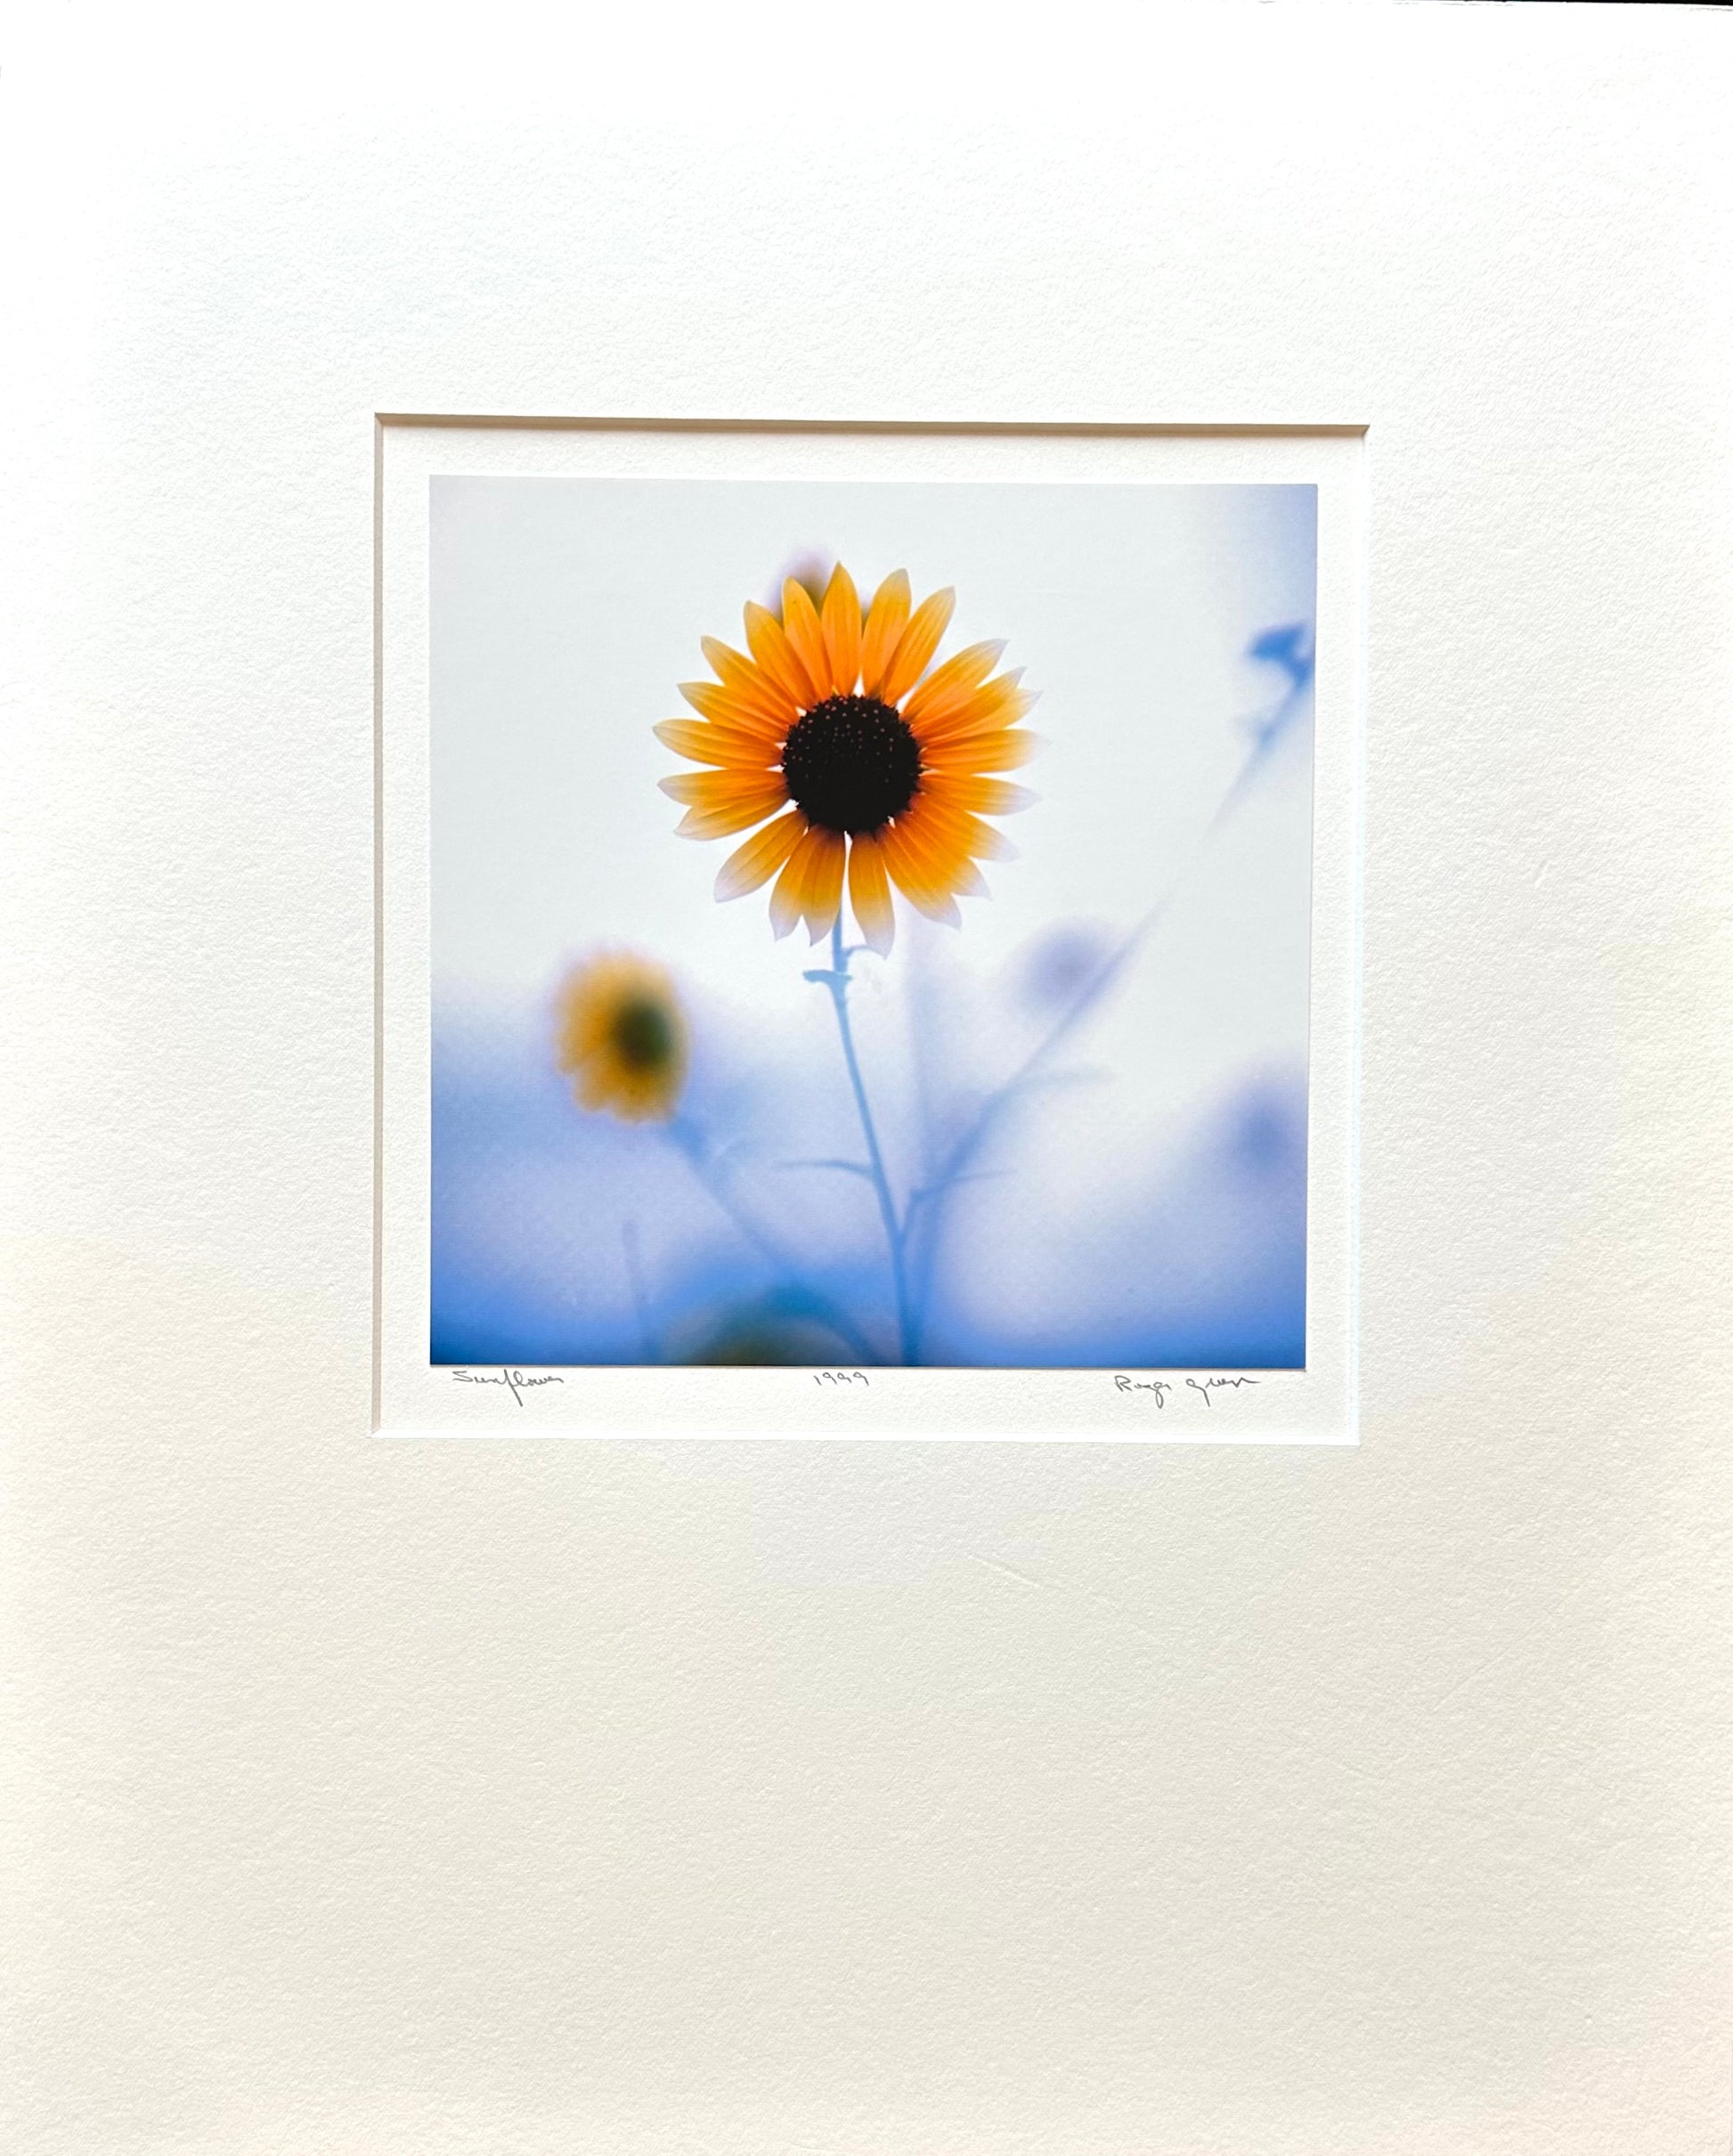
(413, 1398)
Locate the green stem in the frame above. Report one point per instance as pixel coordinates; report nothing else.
(838, 985)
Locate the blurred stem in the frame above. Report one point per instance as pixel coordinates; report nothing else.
(837, 983)
(1001, 1097)
(639, 1300)
(692, 1144)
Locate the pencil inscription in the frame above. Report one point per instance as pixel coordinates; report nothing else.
(1162, 1386)
(515, 1379)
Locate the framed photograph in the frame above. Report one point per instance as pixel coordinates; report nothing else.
(945, 793)
(889, 1149)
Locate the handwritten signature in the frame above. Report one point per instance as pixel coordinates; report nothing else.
(515, 1379)
(519, 1382)
(1162, 1386)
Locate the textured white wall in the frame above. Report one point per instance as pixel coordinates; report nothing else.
(636, 1799)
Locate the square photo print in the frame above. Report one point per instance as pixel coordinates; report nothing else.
(870, 922)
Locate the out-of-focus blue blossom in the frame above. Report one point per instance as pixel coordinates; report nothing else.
(559, 1236)
(1291, 648)
(1266, 1130)
(564, 1239)
(1200, 1265)
(1052, 971)
(1288, 647)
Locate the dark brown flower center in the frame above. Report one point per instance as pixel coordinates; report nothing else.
(642, 1034)
(850, 763)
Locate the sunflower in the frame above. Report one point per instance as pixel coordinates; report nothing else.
(872, 762)
(621, 1037)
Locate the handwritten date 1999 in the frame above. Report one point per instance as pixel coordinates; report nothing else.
(840, 1377)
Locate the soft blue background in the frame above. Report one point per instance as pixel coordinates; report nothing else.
(1146, 1209)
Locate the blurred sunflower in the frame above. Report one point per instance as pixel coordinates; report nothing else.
(621, 1037)
(881, 765)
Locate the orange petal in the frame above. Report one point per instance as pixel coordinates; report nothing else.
(943, 840)
(724, 659)
(949, 685)
(984, 796)
(776, 656)
(720, 744)
(913, 854)
(936, 906)
(739, 814)
(788, 899)
(753, 687)
(923, 875)
(824, 882)
(800, 625)
(759, 859)
(1001, 752)
(958, 827)
(720, 789)
(841, 622)
(869, 892)
(986, 710)
(916, 645)
(885, 622)
(729, 707)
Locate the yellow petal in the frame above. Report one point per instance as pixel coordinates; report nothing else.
(824, 883)
(721, 789)
(986, 710)
(788, 899)
(1001, 751)
(759, 859)
(776, 656)
(869, 892)
(957, 826)
(841, 622)
(949, 685)
(916, 645)
(751, 684)
(702, 744)
(922, 874)
(884, 625)
(936, 905)
(945, 840)
(729, 707)
(739, 814)
(800, 625)
(984, 796)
